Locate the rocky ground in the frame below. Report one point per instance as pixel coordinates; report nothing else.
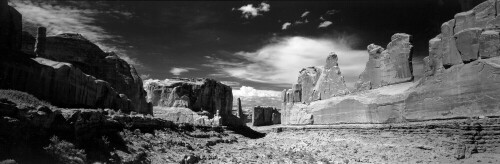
(302, 146)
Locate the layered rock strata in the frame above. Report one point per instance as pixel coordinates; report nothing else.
(317, 83)
(390, 66)
(107, 66)
(70, 71)
(205, 96)
(460, 80)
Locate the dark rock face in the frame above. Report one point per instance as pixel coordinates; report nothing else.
(28, 44)
(10, 29)
(240, 110)
(60, 83)
(265, 116)
(386, 67)
(88, 57)
(198, 95)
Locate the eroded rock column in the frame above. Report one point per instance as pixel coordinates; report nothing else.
(41, 39)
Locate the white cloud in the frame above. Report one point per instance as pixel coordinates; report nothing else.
(246, 91)
(145, 76)
(249, 11)
(305, 14)
(279, 62)
(286, 25)
(178, 71)
(324, 24)
(63, 19)
(232, 84)
(301, 22)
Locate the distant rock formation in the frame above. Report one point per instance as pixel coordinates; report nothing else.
(386, 67)
(240, 111)
(460, 78)
(70, 71)
(317, 83)
(199, 95)
(265, 116)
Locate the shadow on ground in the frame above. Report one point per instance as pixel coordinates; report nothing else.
(247, 132)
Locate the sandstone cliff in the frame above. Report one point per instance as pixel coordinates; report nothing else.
(390, 66)
(317, 83)
(203, 96)
(460, 79)
(70, 71)
(107, 66)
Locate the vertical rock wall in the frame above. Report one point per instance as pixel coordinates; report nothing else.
(390, 66)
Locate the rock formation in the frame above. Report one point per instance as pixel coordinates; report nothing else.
(240, 111)
(317, 83)
(60, 83)
(265, 116)
(199, 95)
(460, 79)
(10, 29)
(41, 41)
(77, 73)
(107, 66)
(386, 67)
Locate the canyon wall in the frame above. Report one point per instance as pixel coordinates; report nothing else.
(460, 78)
(69, 70)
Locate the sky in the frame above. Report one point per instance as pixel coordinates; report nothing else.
(260, 45)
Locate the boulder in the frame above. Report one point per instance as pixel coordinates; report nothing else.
(390, 66)
(107, 66)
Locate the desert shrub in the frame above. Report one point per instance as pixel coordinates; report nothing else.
(65, 152)
(19, 97)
